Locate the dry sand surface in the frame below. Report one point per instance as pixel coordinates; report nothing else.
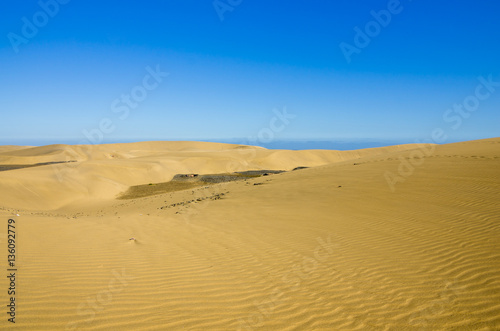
(375, 239)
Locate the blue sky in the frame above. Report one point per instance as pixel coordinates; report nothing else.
(233, 65)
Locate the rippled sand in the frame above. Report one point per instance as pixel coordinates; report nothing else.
(397, 238)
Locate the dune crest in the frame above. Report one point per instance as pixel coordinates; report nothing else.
(90, 172)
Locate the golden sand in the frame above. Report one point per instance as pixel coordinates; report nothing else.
(397, 238)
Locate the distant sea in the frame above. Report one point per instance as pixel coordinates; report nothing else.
(275, 144)
(329, 145)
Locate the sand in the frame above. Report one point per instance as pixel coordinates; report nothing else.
(395, 238)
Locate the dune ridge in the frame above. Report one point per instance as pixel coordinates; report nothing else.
(103, 171)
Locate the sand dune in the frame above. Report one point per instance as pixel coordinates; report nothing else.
(9, 148)
(332, 247)
(103, 171)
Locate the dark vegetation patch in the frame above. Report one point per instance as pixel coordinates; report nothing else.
(189, 181)
(6, 167)
(258, 173)
(141, 191)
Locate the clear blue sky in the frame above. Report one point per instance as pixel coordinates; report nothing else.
(225, 76)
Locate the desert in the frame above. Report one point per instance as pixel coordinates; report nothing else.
(250, 165)
(327, 246)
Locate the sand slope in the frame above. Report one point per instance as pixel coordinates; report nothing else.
(103, 171)
(332, 247)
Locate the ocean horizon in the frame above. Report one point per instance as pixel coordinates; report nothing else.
(275, 144)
